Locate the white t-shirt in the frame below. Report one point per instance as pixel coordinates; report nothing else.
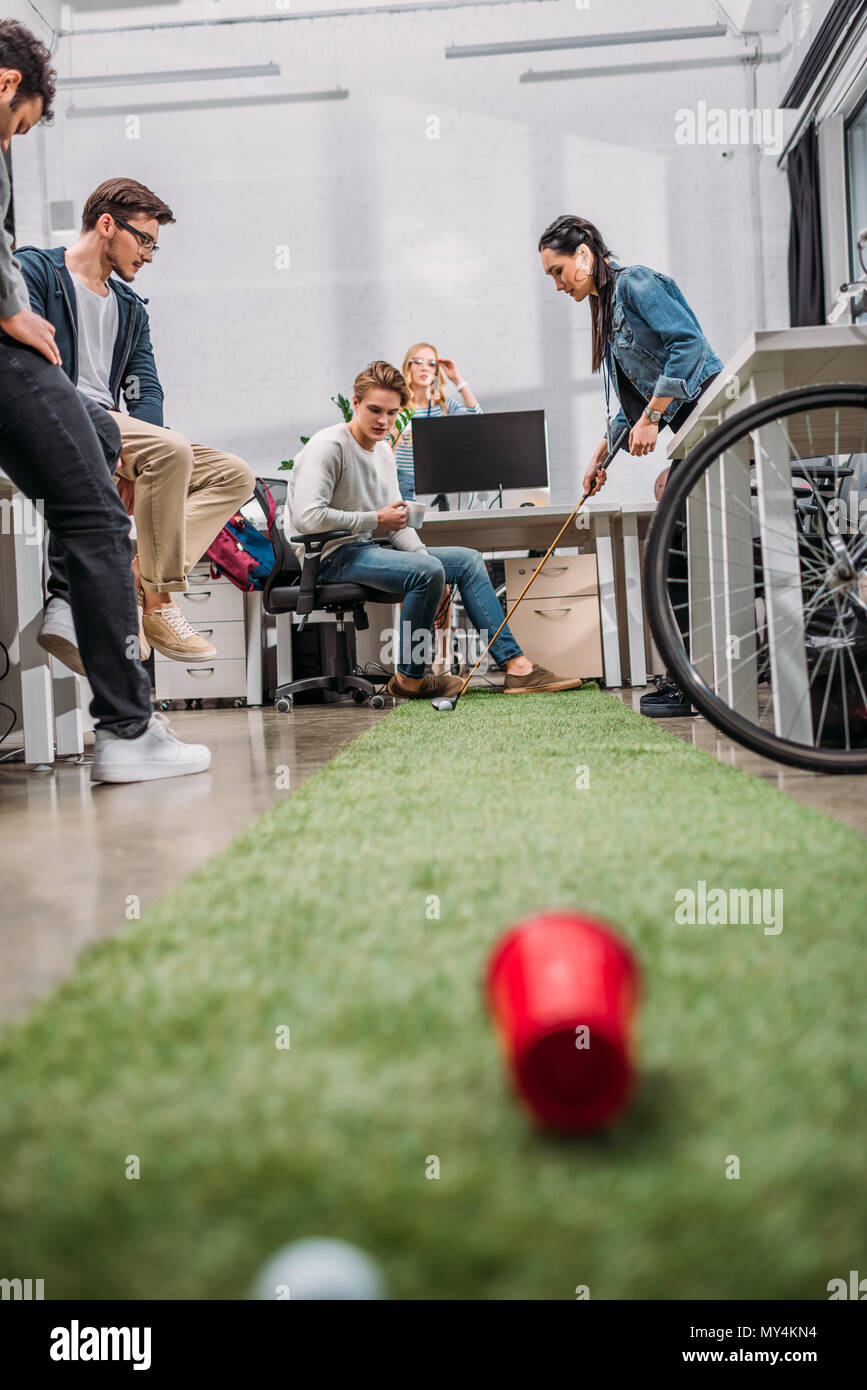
(97, 332)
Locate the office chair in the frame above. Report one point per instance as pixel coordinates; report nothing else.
(292, 588)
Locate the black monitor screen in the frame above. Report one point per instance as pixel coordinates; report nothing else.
(475, 453)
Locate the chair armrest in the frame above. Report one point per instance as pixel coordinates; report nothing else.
(313, 544)
(314, 540)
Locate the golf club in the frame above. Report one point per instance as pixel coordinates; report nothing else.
(444, 703)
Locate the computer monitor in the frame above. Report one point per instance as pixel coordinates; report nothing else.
(478, 453)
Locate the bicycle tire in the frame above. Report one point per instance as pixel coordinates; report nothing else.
(660, 615)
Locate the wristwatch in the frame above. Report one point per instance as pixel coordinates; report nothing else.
(654, 416)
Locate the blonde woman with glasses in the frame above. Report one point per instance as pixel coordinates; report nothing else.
(425, 373)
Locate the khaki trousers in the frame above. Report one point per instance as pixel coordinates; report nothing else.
(184, 494)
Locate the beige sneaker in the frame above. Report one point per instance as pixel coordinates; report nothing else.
(170, 634)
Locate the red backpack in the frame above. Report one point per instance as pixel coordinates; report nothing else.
(242, 552)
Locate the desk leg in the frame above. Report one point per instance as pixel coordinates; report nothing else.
(634, 604)
(782, 574)
(716, 577)
(739, 590)
(253, 606)
(607, 600)
(284, 648)
(700, 615)
(68, 724)
(36, 704)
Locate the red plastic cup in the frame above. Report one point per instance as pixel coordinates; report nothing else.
(549, 977)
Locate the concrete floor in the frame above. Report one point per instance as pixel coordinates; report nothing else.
(76, 855)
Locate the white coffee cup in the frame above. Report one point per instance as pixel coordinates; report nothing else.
(416, 515)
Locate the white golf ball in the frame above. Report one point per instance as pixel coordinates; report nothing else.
(319, 1269)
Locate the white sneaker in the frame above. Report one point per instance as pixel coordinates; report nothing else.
(57, 635)
(155, 753)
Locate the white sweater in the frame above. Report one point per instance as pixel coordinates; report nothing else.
(337, 485)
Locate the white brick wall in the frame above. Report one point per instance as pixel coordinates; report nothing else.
(395, 237)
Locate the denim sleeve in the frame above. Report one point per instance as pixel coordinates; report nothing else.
(141, 384)
(618, 424)
(685, 344)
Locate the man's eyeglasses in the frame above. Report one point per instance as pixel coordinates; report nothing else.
(147, 243)
(422, 362)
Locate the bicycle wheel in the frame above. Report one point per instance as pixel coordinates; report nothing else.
(756, 578)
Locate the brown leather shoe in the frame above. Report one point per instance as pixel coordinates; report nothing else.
(431, 686)
(539, 680)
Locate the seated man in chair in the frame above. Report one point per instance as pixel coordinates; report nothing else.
(345, 478)
(180, 493)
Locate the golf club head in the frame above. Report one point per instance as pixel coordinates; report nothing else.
(444, 702)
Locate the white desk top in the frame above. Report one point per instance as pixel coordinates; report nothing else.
(536, 515)
(802, 357)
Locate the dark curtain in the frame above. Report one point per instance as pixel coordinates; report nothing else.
(806, 280)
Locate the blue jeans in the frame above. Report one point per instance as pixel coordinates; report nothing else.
(421, 576)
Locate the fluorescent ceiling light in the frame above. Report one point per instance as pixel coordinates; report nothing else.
(494, 50)
(209, 103)
(137, 79)
(626, 69)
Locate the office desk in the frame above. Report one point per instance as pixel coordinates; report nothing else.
(22, 536)
(613, 531)
(768, 362)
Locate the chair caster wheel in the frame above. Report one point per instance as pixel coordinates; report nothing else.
(284, 704)
(240, 702)
(377, 702)
(165, 704)
(359, 697)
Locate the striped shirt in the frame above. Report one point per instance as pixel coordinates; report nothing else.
(403, 455)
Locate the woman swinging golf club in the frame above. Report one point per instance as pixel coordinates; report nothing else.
(649, 345)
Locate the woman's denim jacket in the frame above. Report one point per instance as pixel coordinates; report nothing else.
(657, 341)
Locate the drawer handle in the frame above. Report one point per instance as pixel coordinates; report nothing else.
(201, 670)
(552, 569)
(205, 593)
(206, 632)
(547, 612)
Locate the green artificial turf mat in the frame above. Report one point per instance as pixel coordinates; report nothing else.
(162, 1044)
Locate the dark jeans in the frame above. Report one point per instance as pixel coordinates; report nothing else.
(50, 449)
(108, 435)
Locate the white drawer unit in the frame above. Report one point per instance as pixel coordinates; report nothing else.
(558, 622)
(564, 576)
(215, 608)
(212, 680)
(210, 601)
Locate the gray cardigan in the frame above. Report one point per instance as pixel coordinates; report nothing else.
(13, 291)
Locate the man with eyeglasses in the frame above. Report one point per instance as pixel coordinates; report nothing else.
(181, 494)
